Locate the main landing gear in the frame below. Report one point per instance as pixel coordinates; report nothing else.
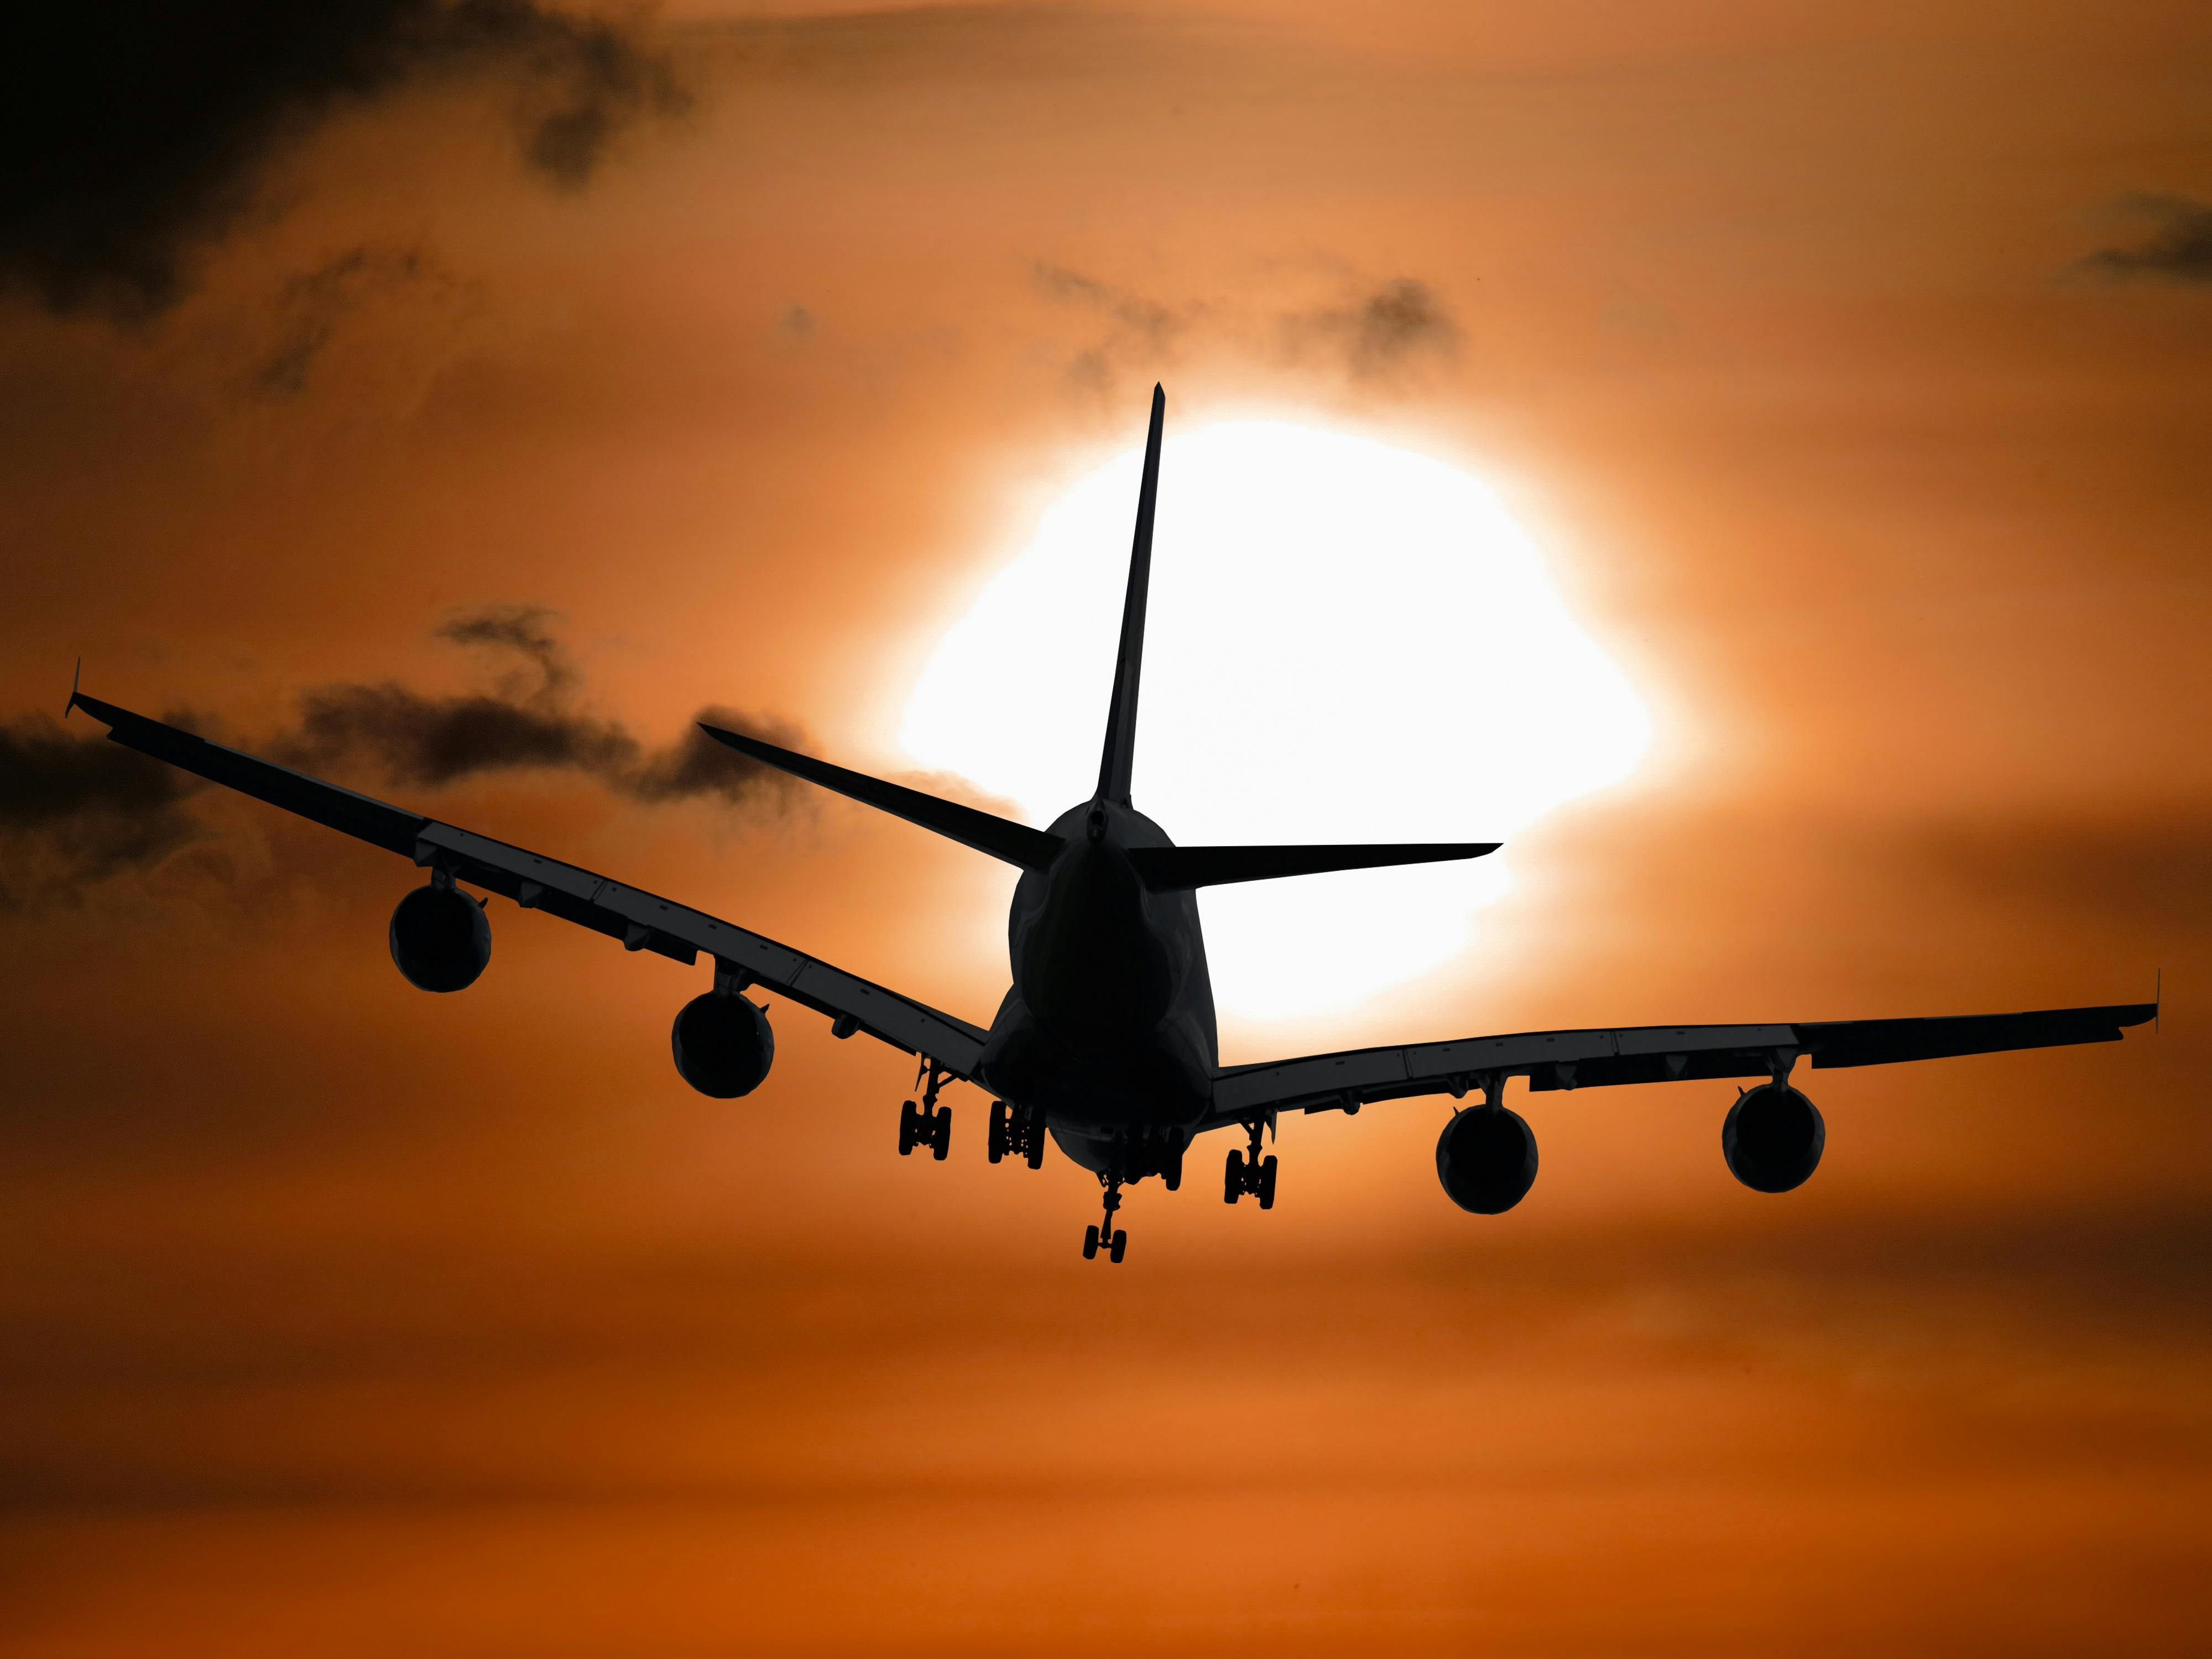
(1154, 1153)
(1018, 1130)
(1248, 1172)
(928, 1124)
(1104, 1232)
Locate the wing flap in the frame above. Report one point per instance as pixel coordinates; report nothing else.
(358, 815)
(1884, 1041)
(1600, 1057)
(679, 931)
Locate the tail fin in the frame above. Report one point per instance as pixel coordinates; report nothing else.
(1002, 838)
(1169, 869)
(1114, 764)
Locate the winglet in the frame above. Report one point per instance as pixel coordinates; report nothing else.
(1114, 764)
(2157, 1000)
(76, 675)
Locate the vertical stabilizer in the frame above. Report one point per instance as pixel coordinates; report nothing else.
(1128, 665)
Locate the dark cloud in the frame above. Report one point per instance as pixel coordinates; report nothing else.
(533, 720)
(1370, 334)
(76, 809)
(313, 305)
(1379, 333)
(527, 631)
(2177, 249)
(138, 131)
(2150, 873)
(1146, 321)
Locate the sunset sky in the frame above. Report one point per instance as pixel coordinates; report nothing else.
(1849, 369)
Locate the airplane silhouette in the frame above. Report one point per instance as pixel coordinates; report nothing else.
(1105, 1040)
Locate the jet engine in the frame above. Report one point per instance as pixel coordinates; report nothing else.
(723, 1045)
(439, 939)
(1772, 1138)
(1486, 1160)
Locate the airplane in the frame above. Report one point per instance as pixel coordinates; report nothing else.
(1105, 1040)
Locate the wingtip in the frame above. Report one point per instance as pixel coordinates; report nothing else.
(76, 675)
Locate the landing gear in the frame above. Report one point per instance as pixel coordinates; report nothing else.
(1104, 1232)
(1016, 1129)
(928, 1124)
(1153, 1153)
(1249, 1172)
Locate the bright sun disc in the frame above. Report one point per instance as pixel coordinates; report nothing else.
(1346, 642)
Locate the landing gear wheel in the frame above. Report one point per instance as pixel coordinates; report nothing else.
(940, 1133)
(995, 1139)
(1171, 1169)
(1267, 1181)
(1119, 1247)
(1232, 1178)
(1090, 1242)
(910, 1129)
(1033, 1137)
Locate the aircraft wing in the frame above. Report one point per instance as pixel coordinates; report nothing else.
(642, 920)
(1641, 1054)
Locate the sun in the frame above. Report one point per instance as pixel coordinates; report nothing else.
(1347, 641)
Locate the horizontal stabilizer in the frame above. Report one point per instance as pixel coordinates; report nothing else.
(1168, 869)
(1002, 838)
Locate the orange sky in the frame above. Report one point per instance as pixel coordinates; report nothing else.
(341, 1319)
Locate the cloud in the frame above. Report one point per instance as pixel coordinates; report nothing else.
(2177, 249)
(313, 305)
(1381, 332)
(1369, 333)
(1148, 320)
(2150, 874)
(76, 810)
(533, 720)
(139, 132)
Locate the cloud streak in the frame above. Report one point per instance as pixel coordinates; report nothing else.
(1368, 333)
(2179, 248)
(315, 305)
(140, 133)
(77, 810)
(533, 719)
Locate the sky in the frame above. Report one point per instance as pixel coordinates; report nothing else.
(460, 399)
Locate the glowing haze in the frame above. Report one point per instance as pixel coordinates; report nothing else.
(1347, 641)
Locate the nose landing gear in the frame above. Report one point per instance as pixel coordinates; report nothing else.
(928, 1124)
(1248, 1172)
(1104, 1232)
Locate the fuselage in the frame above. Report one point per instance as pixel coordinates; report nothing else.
(1109, 1026)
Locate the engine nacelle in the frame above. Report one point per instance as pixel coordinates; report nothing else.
(439, 939)
(1486, 1160)
(723, 1045)
(1772, 1137)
